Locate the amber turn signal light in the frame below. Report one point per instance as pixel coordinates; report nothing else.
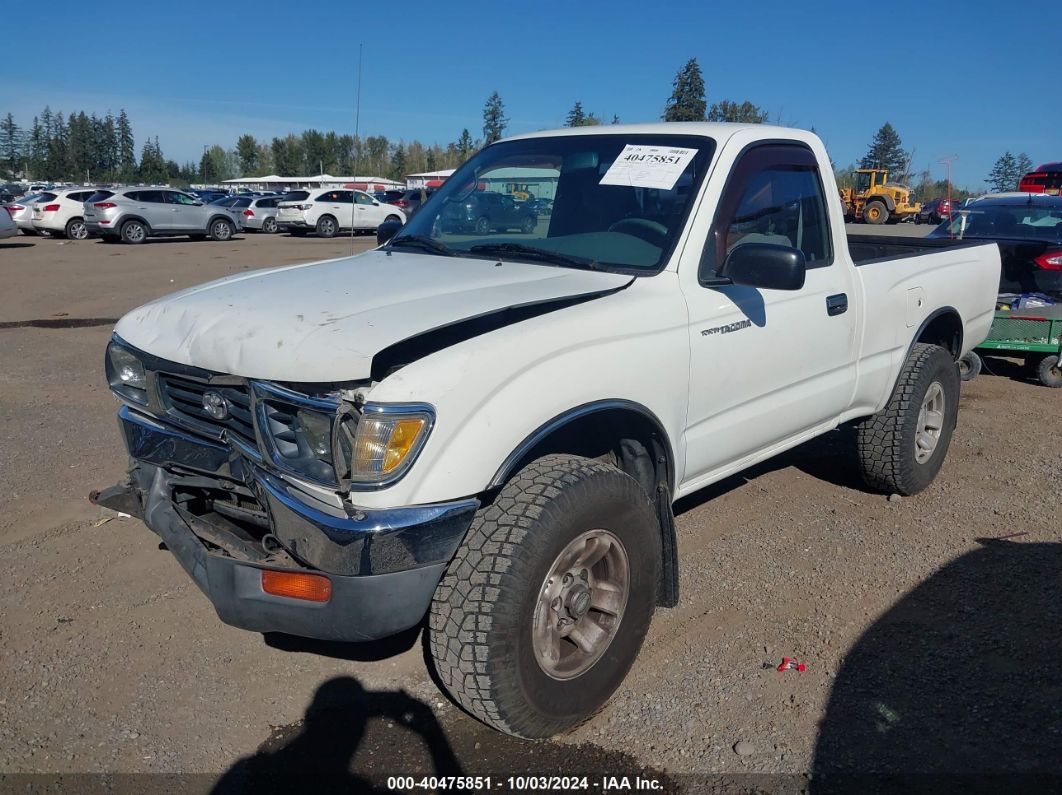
(296, 585)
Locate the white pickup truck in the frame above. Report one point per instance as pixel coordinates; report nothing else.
(488, 430)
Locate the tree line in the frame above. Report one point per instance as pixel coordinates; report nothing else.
(91, 148)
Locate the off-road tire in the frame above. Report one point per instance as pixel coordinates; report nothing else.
(1049, 372)
(875, 213)
(886, 441)
(970, 366)
(481, 618)
(130, 235)
(327, 226)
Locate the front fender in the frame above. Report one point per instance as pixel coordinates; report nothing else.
(492, 393)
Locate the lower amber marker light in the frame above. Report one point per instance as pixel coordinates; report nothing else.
(296, 585)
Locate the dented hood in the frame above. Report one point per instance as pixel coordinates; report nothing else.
(325, 321)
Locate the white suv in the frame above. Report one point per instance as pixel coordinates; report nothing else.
(64, 215)
(331, 211)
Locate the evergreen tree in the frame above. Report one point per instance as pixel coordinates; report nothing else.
(1004, 175)
(886, 152)
(494, 119)
(744, 113)
(398, 163)
(576, 116)
(126, 148)
(58, 148)
(12, 143)
(37, 149)
(152, 164)
(1022, 166)
(686, 102)
(464, 147)
(247, 150)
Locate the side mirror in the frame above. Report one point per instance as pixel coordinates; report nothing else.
(198, 204)
(766, 266)
(375, 203)
(386, 231)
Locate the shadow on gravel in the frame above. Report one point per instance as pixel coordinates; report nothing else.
(17, 245)
(1011, 368)
(958, 686)
(353, 740)
(830, 458)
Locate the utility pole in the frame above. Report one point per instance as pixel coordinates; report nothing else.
(947, 160)
(357, 144)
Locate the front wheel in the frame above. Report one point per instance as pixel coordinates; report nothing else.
(221, 230)
(902, 447)
(544, 607)
(528, 225)
(482, 226)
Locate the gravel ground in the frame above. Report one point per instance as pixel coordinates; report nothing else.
(930, 647)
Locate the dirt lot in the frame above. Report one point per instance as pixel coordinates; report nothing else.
(930, 647)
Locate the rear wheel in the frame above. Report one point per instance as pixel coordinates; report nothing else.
(269, 226)
(970, 366)
(1049, 372)
(327, 226)
(543, 610)
(134, 232)
(902, 447)
(76, 229)
(875, 213)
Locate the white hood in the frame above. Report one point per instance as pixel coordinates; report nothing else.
(325, 321)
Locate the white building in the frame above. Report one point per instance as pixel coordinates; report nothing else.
(428, 179)
(273, 182)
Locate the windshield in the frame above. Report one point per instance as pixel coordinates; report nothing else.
(619, 201)
(1030, 222)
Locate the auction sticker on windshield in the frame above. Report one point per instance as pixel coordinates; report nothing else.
(648, 166)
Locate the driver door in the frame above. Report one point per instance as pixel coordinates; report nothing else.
(767, 366)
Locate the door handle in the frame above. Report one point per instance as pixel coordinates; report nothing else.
(836, 304)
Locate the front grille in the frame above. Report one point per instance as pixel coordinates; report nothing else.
(185, 399)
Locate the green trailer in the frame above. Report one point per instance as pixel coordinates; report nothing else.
(1034, 334)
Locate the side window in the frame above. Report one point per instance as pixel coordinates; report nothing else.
(179, 198)
(242, 203)
(363, 198)
(344, 196)
(775, 196)
(153, 196)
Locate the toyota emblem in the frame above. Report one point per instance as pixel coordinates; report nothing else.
(215, 405)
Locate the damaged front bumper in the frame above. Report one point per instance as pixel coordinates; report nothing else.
(227, 519)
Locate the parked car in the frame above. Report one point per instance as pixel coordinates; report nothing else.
(935, 210)
(411, 200)
(132, 215)
(7, 224)
(1045, 179)
(210, 196)
(541, 206)
(1028, 230)
(63, 216)
(22, 210)
(487, 211)
(487, 435)
(332, 211)
(259, 212)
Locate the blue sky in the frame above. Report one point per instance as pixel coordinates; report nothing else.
(955, 79)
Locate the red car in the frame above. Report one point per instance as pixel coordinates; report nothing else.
(1046, 179)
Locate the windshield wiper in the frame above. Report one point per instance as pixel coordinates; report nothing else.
(420, 241)
(531, 252)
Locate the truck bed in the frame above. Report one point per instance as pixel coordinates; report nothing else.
(867, 249)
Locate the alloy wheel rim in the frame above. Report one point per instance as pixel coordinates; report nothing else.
(136, 232)
(580, 604)
(930, 423)
(79, 231)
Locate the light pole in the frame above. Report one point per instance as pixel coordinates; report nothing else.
(947, 160)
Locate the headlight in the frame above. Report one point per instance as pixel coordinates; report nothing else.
(383, 444)
(300, 438)
(125, 374)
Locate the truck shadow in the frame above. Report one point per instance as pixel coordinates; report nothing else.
(368, 651)
(830, 458)
(958, 686)
(354, 740)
